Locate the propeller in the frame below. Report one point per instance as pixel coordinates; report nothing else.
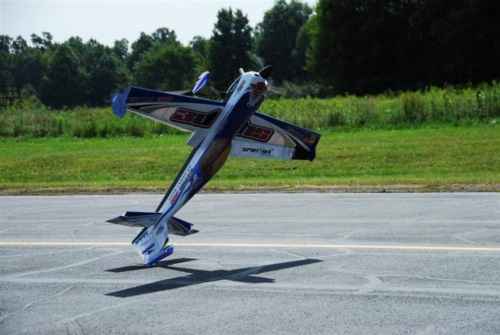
(266, 72)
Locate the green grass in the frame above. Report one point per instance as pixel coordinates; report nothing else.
(433, 158)
(435, 106)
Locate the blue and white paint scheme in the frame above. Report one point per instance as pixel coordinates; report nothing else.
(218, 128)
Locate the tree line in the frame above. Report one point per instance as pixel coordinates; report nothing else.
(355, 47)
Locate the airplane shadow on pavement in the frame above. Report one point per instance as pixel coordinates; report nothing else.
(195, 277)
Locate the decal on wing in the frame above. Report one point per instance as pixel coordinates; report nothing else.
(266, 137)
(179, 111)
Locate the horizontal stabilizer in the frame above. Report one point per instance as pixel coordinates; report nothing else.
(180, 227)
(137, 219)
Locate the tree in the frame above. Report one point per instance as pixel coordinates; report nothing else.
(168, 68)
(201, 47)
(300, 54)
(146, 43)
(164, 36)
(5, 42)
(42, 43)
(5, 62)
(28, 68)
(64, 83)
(229, 46)
(120, 49)
(104, 73)
(18, 45)
(366, 46)
(139, 47)
(277, 38)
(461, 40)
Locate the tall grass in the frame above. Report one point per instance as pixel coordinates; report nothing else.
(449, 105)
(32, 119)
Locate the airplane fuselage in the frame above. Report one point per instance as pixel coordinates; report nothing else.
(244, 98)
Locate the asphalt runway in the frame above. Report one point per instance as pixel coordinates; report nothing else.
(261, 264)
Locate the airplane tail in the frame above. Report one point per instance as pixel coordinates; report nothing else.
(151, 243)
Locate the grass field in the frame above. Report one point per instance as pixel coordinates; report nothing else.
(425, 158)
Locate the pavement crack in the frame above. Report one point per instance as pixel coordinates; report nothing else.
(73, 328)
(66, 266)
(43, 253)
(28, 305)
(3, 230)
(73, 319)
(346, 236)
(441, 279)
(462, 237)
(345, 252)
(373, 282)
(293, 255)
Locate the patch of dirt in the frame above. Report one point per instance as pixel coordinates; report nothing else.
(271, 189)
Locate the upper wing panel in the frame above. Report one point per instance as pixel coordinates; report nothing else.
(182, 112)
(266, 137)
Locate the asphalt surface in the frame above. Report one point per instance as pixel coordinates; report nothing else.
(261, 264)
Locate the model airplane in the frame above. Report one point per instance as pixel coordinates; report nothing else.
(218, 128)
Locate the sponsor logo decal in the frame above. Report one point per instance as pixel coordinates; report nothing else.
(258, 151)
(241, 86)
(149, 99)
(140, 99)
(149, 249)
(164, 99)
(138, 241)
(197, 180)
(175, 197)
(182, 185)
(311, 140)
(258, 91)
(301, 136)
(257, 133)
(195, 118)
(295, 133)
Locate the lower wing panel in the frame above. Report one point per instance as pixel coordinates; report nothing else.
(267, 137)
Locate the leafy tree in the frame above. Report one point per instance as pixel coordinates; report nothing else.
(42, 43)
(142, 45)
(146, 43)
(120, 49)
(169, 68)
(364, 46)
(18, 45)
(229, 46)
(5, 42)
(5, 62)
(165, 36)
(461, 41)
(104, 73)
(277, 38)
(64, 83)
(201, 47)
(28, 68)
(301, 52)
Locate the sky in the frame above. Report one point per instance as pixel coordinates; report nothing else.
(110, 20)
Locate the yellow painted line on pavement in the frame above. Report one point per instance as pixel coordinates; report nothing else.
(70, 244)
(267, 245)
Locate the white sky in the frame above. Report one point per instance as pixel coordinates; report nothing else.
(110, 20)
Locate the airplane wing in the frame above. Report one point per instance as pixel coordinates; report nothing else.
(178, 111)
(266, 137)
